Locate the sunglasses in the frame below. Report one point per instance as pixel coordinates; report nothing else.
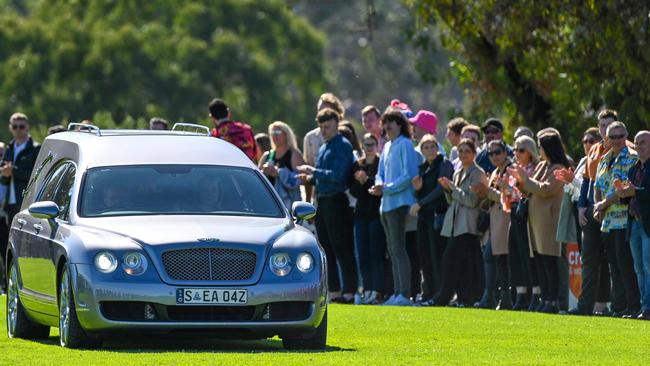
(589, 141)
(495, 152)
(521, 150)
(276, 132)
(492, 131)
(369, 144)
(616, 137)
(18, 127)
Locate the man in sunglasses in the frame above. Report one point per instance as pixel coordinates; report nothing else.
(493, 131)
(17, 163)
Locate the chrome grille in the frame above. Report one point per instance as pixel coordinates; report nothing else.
(209, 264)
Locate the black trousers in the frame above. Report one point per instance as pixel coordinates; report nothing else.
(521, 268)
(462, 270)
(331, 225)
(594, 252)
(548, 275)
(4, 238)
(430, 250)
(625, 265)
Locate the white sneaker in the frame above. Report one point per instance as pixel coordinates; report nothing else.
(402, 300)
(372, 296)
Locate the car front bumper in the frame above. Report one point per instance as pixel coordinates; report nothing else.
(91, 293)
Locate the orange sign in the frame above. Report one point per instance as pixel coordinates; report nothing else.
(575, 269)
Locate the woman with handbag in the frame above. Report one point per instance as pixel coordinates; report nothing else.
(523, 275)
(495, 251)
(543, 214)
(430, 209)
(462, 266)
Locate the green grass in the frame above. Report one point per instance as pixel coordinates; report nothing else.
(363, 335)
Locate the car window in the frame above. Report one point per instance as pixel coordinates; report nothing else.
(52, 182)
(64, 192)
(176, 190)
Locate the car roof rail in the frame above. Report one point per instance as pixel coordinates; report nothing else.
(190, 127)
(83, 127)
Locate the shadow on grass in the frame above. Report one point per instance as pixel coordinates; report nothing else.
(166, 344)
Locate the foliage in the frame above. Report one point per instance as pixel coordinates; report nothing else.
(369, 59)
(557, 61)
(379, 335)
(72, 60)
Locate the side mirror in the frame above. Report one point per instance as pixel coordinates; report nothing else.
(44, 210)
(303, 210)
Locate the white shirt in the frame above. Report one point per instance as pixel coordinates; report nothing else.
(12, 190)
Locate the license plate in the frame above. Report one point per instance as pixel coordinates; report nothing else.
(211, 296)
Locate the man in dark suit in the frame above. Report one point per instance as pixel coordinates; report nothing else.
(17, 164)
(638, 228)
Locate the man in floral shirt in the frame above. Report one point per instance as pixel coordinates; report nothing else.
(612, 172)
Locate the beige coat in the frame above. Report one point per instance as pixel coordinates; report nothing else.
(544, 208)
(462, 215)
(499, 219)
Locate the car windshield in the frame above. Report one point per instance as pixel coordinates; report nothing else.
(176, 190)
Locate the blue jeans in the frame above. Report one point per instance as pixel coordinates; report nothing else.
(371, 248)
(640, 246)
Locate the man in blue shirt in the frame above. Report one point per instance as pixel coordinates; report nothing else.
(331, 176)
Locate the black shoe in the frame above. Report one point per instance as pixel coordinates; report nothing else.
(604, 312)
(578, 311)
(617, 314)
(487, 300)
(343, 300)
(505, 302)
(550, 307)
(644, 315)
(535, 303)
(429, 302)
(521, 303)
(631, 314)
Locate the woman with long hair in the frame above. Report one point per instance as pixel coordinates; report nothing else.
(279, 164)
(544, 211)
(398, 164)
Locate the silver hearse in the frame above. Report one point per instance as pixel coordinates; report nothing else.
(124, 232)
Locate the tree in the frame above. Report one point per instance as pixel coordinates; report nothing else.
(369, 59)
(548, 63)
(68, 60)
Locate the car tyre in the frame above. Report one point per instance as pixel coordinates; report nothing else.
(18, 324)
(71, 333)
(316, 341)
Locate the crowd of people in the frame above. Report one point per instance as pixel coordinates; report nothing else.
(405, 223)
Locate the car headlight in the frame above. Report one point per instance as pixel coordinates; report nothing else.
(280, 264)
(134, 263)
(305, 262)
(105, 262)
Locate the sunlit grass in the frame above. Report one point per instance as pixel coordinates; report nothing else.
(363, 335)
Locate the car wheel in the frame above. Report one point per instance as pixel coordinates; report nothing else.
(71, 334)
(18, 324)
(316, 341)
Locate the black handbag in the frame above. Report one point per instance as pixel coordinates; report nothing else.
(483, 221)
(522, 209)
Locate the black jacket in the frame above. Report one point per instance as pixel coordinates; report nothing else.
(431, 196)
(22, 168)
(642, 196)
(367, 205)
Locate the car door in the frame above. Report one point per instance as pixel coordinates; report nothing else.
(36, 263)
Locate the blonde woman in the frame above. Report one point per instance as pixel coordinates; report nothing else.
(279, 164)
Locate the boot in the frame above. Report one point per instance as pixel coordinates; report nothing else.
(535, 302)
(505, 300)
(521, 303)
(550, 307)
(487, 300)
